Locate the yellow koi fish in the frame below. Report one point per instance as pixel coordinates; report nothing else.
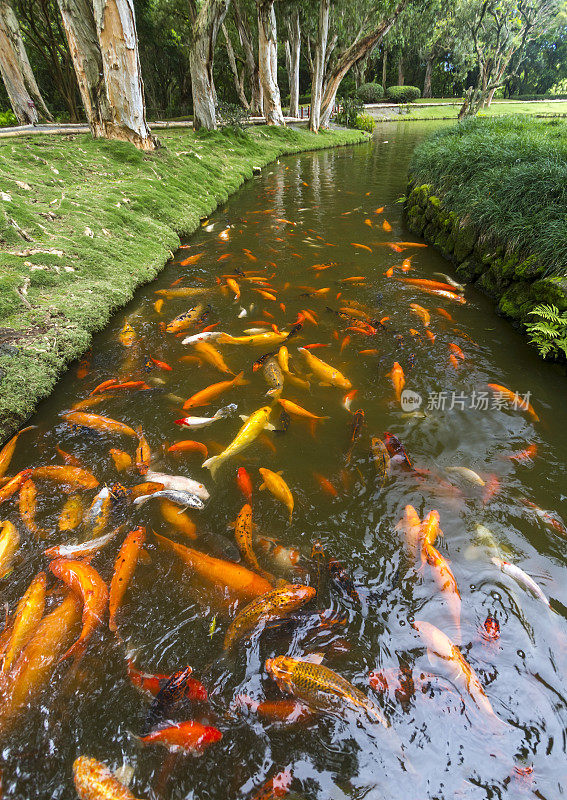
(328, 375)
(275, 484)
(270, 337)
(252, 428)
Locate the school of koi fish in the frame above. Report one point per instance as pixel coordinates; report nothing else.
(239, 364)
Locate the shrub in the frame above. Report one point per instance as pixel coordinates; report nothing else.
(7, 119)
(549, 334)
(370, 92)
(364, 122)
(403, 94)
(232, 115)
(349, 110)
(521, 97)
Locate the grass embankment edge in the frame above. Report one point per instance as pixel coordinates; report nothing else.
(491, 194)
(85, 222)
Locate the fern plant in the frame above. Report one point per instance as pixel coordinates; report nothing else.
(549, 333)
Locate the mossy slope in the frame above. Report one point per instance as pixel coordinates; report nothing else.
(84, 222)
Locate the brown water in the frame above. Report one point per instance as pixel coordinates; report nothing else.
(169, 619)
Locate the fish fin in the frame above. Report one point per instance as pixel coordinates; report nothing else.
(243, 417)
(313, 658)
(279, 472)
(269, 427)
(262, 487)
(240, 380)
(144, 557)
(212, 463)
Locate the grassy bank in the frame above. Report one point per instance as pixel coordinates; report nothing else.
(84, 222)
(492, 196)
(508, 178)
(498, 108)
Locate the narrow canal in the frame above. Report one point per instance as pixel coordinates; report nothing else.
(314, 238)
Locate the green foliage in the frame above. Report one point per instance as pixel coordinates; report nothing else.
(7, 119)
(403, 94)
(370, 92)
(349, 110)
(549, 333)
(540, 97)
(508, 177)
(232, 115)
(364, 122)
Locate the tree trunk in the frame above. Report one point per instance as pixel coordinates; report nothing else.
(116, 31)
(427, 79)
(80, 29)
(319, 65)
(354, 53)
(203, 39)
(294, 40)
(234, 69)
(268, 62)
(252, 70)
(25, 98)
(384, 67)
(401, 77)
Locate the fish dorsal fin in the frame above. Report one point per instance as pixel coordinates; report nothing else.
(313, 658)
(262, 487)
(269, 427)
(243, 417)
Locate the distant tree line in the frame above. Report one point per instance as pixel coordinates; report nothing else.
(111, 60)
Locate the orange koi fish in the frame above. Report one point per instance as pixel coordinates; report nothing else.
(422, 282)
(94, 781)
(26, 619)
(85, 581)
(124, 567)
(28, 505)
(454, 348)
(127, 335)
(71, 514)
(103, 424)
(158, 305)
(443, 313)
(297, 411)
(190, 737)
(191, 260)
(386, 226)
(153, 682)
(412, 527)
(361, 246)
(421, 312)
(524, 455)
(178, 518)
(205, 396)
(325, 485)
(68, 458)
(244, 483)
(514, 399)
(75, 477)
(443, 652)
(143, 453)
(122, 461)
(189, 446)
(162, 364)
(237, 580)
(398, 379)
(8, 450)
(275, 710)
(445, 581)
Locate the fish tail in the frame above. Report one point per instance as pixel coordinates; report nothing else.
(274, 392)
(240, 380)
(212, 463)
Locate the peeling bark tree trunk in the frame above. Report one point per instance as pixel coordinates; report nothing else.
(238, 82)
(116, 31)
(80, 29)
(252, 70)
(319, 65)
(201, 53)
(294, 40)
(25, 98)
(268, 62)
(355, 52)
(427, 79)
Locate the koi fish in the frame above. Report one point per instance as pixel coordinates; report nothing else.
(9, 544)
(411, 525)
(445, 581)
(325, 485)
(189, 446)
(356, 427)
(469, 474)
(421, 312)
(189, 737)
(274, 377)
(71, 514)
(38, 660)
(185, 499)
(154, 682)
(441, 651)
(178, 518)
(194, 423)
(84, 550)
(27, 617)
(529, 453)
(98, 514)
(71, 476)
(514, 399)
(274, 483)
(423, 283)
(361, 246)
(201, 337)
(205, 396)
(284, 558)
(85, 581)
(211, 356)
(127, 335)
(274, 605)
(381, 459)
(97, 423)
(94, 781)
(321, 688)
(185, 320)
(429, 532)
(396, 449)
(244, 483)
(27, 506)
(7, 451)
(386, 226)
(158, 305)
(328, 375)
(521, 577)
(275, 710)
(124, 567)
(185, 291)
(491, 629)
(122, 460)
(348, 398)
(445, 293)
(191, 259)
(234, 578)
(270, 337)
(398, 379)
(243, 536)
(299, 412)
(179, 483)
(252, 428)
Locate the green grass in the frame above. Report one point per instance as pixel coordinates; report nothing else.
(498, 108)
(507, 176)
(96, 220)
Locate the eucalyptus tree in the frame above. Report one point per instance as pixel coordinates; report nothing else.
(268, 62)
(23, 92)
(207, 17)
